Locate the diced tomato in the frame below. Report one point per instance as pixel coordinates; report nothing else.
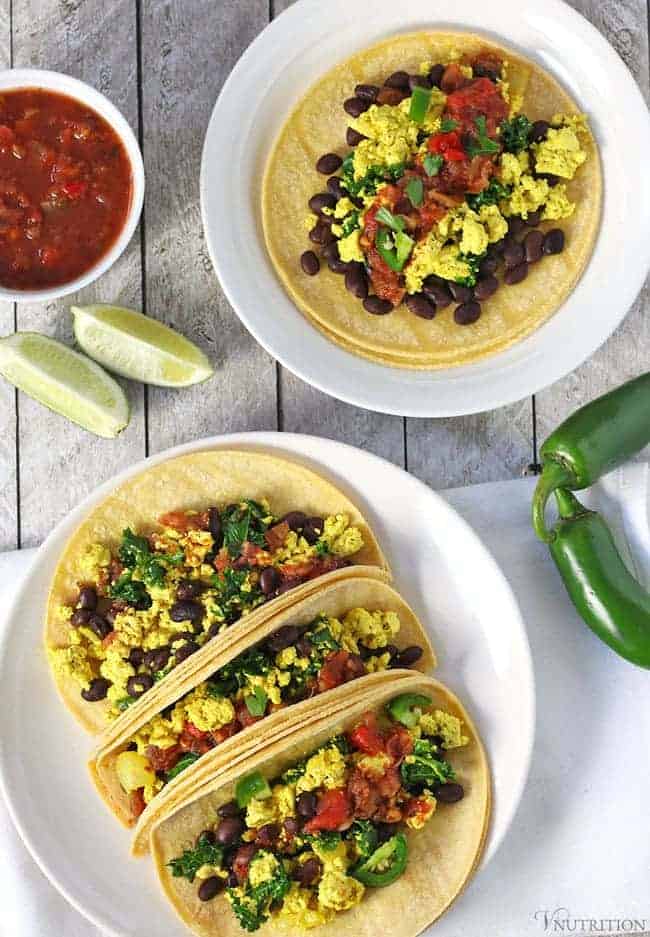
(338, 668)
(75, 190)
(242, 860)
(386, 282)
(311, 569)
(332, 812)
(108, 640)
(137, 802)
(453, 78)
(448, 145)
(179, 520)
(7, 136)
(366, 737)
(276, 536)
(225, 732)
(250, 551)
(481, 169)
(222, 560)
(398, 744)
(49, 256)
(194, 740)
(163, 759)
(480, 97)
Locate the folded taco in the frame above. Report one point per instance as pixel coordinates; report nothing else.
(278, 677)
(432, 200)
(175, 557)
(374, 814)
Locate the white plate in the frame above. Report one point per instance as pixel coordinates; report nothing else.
(439, 565)
(303, 43)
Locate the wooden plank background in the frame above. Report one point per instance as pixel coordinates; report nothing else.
(147, 56)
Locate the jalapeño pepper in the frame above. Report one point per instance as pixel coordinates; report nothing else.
(251, 787)
(385, 864)
(594, 440)
(606, 595)
(408, 707)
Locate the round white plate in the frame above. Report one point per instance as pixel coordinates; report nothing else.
(275, 71)
(439, 565)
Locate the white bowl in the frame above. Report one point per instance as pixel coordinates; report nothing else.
(15, 78)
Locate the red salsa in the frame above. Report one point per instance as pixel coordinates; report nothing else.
(65, 188)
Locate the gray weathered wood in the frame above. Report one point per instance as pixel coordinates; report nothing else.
(307, 410)
(627, 353)
(188, 51)
(60, 463)
(8, 465)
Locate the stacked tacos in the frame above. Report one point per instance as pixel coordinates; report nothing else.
(375, 813)
(432, 200)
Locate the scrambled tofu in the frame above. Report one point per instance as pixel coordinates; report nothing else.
(391, 137)
(324, 769)
(350, 247)
(446, 725)
(561, 153)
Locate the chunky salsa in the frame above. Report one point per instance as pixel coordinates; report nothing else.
(65, 188)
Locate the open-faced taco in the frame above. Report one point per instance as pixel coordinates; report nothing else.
(257, 689)
(374, 815)
(432, 200)
(178, 555)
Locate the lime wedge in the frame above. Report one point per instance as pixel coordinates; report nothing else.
(64, 381)
(135, 346)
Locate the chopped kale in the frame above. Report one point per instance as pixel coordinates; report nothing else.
(131, 591)
(350, 223)
(136, 554)
(515, 133)
(491, 195)
(326, 839)
(132, 548)
(373, 179)
(323, 640)
(252, 909)
(474, 262)
(188, 759)
(124, 703)
(189, 863)
(243, 522)
(321, 547)
(364, 834)
(425, 767)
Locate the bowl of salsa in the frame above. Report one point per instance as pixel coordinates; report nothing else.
(71, 184)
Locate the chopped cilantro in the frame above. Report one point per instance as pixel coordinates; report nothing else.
(415, 190)
(189, 863)
(447, 125)
(482, 145)
(256, 702)
(135, 553)
(515, 133)
(124, 703)
(432, 164)
(241, 523)
(491, 195)
(322, 548)
(253, 662)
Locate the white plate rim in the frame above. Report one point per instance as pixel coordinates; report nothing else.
(292, 445)
(527, 367)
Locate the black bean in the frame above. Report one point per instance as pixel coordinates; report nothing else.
(534, 218)
(306, 804)
(207, 836)
(232, 880)
(448, 793)
(320, 201)
(356, 106)
(230, 809)
(513, 254)
(488, 266)
(338, 266)
(97, 690)
(312, 529)
(215, 526)
(550, 178)
(283, 637)
(467, 313)
(321, 234)
(386, 830)
(335, 186)
(331, 251)
(99, 625)
(398, 80)
(497, 248)
(356, 281)
(462, 294)
(486, 287)
(186, 611)
(189, 589)
(156, 659)
(533, 246)
(210, 887)
(438, 293)
(267, 835)
(554, 241)
(136, 656)
(291, 826)
(310, 263)
(185, 650)
(419, 81)
(516, 225)
(229, 830)
(270, 579)
(304, 647)
(214, 629)
(306, 873)
(486, 71)
(295, 520)
(539, 131)
(516, 274)
(139, 684)
(435, 75)
(87, 598)
(409, 656)
(421, 306)
(353, 137)
(80, 616)
(369, 92)
(329, 163)
(376, 306)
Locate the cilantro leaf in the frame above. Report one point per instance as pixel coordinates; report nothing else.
(350, 223)
(482, 145)
(326, 839)
(415, 190)
(256, 702)
(189, 863)
(432, 164)
(242, 522)
(515, 133)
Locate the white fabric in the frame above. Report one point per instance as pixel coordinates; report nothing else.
(577, 857)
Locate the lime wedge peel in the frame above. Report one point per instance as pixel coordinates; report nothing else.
(138, 347)
(65, 381)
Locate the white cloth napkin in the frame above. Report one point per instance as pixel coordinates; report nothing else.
(577, 857)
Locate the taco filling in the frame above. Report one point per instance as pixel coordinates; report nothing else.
(441, 198)
(291, 665)
(304, 846)
(146, 606)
